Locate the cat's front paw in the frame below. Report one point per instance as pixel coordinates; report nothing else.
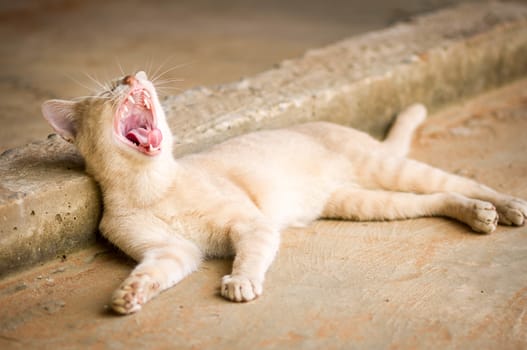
(240, 288)
(513, 212)
(133, 293)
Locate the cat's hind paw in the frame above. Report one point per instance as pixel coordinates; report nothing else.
(513, 212)
(133, 293)
(240, 288)
(483, 217)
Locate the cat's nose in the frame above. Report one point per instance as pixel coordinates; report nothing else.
(129, 80)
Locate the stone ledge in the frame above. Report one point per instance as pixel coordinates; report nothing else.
(48, 206)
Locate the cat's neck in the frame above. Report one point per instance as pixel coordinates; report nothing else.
(137, 182)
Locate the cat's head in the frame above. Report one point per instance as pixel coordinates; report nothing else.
(127, 119)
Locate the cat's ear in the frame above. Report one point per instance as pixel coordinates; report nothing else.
(61, 115)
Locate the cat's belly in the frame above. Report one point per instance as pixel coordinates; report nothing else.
(287, 175)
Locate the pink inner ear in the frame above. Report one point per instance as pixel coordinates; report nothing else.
(60, 114)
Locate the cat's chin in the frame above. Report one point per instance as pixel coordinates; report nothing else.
(135, 122)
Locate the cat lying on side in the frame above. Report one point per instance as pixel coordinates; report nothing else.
(234, 199)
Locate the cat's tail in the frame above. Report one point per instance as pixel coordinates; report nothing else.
(400, 135)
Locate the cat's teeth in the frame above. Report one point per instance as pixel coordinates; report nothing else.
(131, 99)
(147, 104)
(147, 93)
(125, 109)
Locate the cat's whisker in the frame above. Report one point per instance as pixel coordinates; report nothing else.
(163, 91)
(168, 85)
(114, 101)
(90, 89)
(98, 83)
(89, 97)
(168, 81)
(120, 67)
(158, 76)
(168, 92)
(149, 66)
(161, 66)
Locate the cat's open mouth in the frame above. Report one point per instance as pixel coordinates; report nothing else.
(135, 122)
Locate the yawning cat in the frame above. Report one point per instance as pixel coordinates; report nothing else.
(234, 199)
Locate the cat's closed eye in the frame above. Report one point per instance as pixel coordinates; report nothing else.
(112, 88)
(115, 84)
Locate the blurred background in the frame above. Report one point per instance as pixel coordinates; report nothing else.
(57, 48)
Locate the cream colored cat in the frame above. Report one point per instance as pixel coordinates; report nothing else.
(234, 199)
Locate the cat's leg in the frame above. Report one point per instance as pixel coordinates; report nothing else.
(255, 244)
(360, 204)
(399, 137)
(407, 175)
(164, 258)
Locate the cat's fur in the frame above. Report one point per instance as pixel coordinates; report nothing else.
(234, 199)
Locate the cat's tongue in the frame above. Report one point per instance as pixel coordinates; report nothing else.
(146, 137)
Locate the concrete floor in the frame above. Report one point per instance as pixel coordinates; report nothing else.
(427, 283)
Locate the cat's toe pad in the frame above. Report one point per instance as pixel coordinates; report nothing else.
(483, 217)
(240, 288)
(133, 293)
(513, 212)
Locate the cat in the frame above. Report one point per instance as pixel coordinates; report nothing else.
(234, 199)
